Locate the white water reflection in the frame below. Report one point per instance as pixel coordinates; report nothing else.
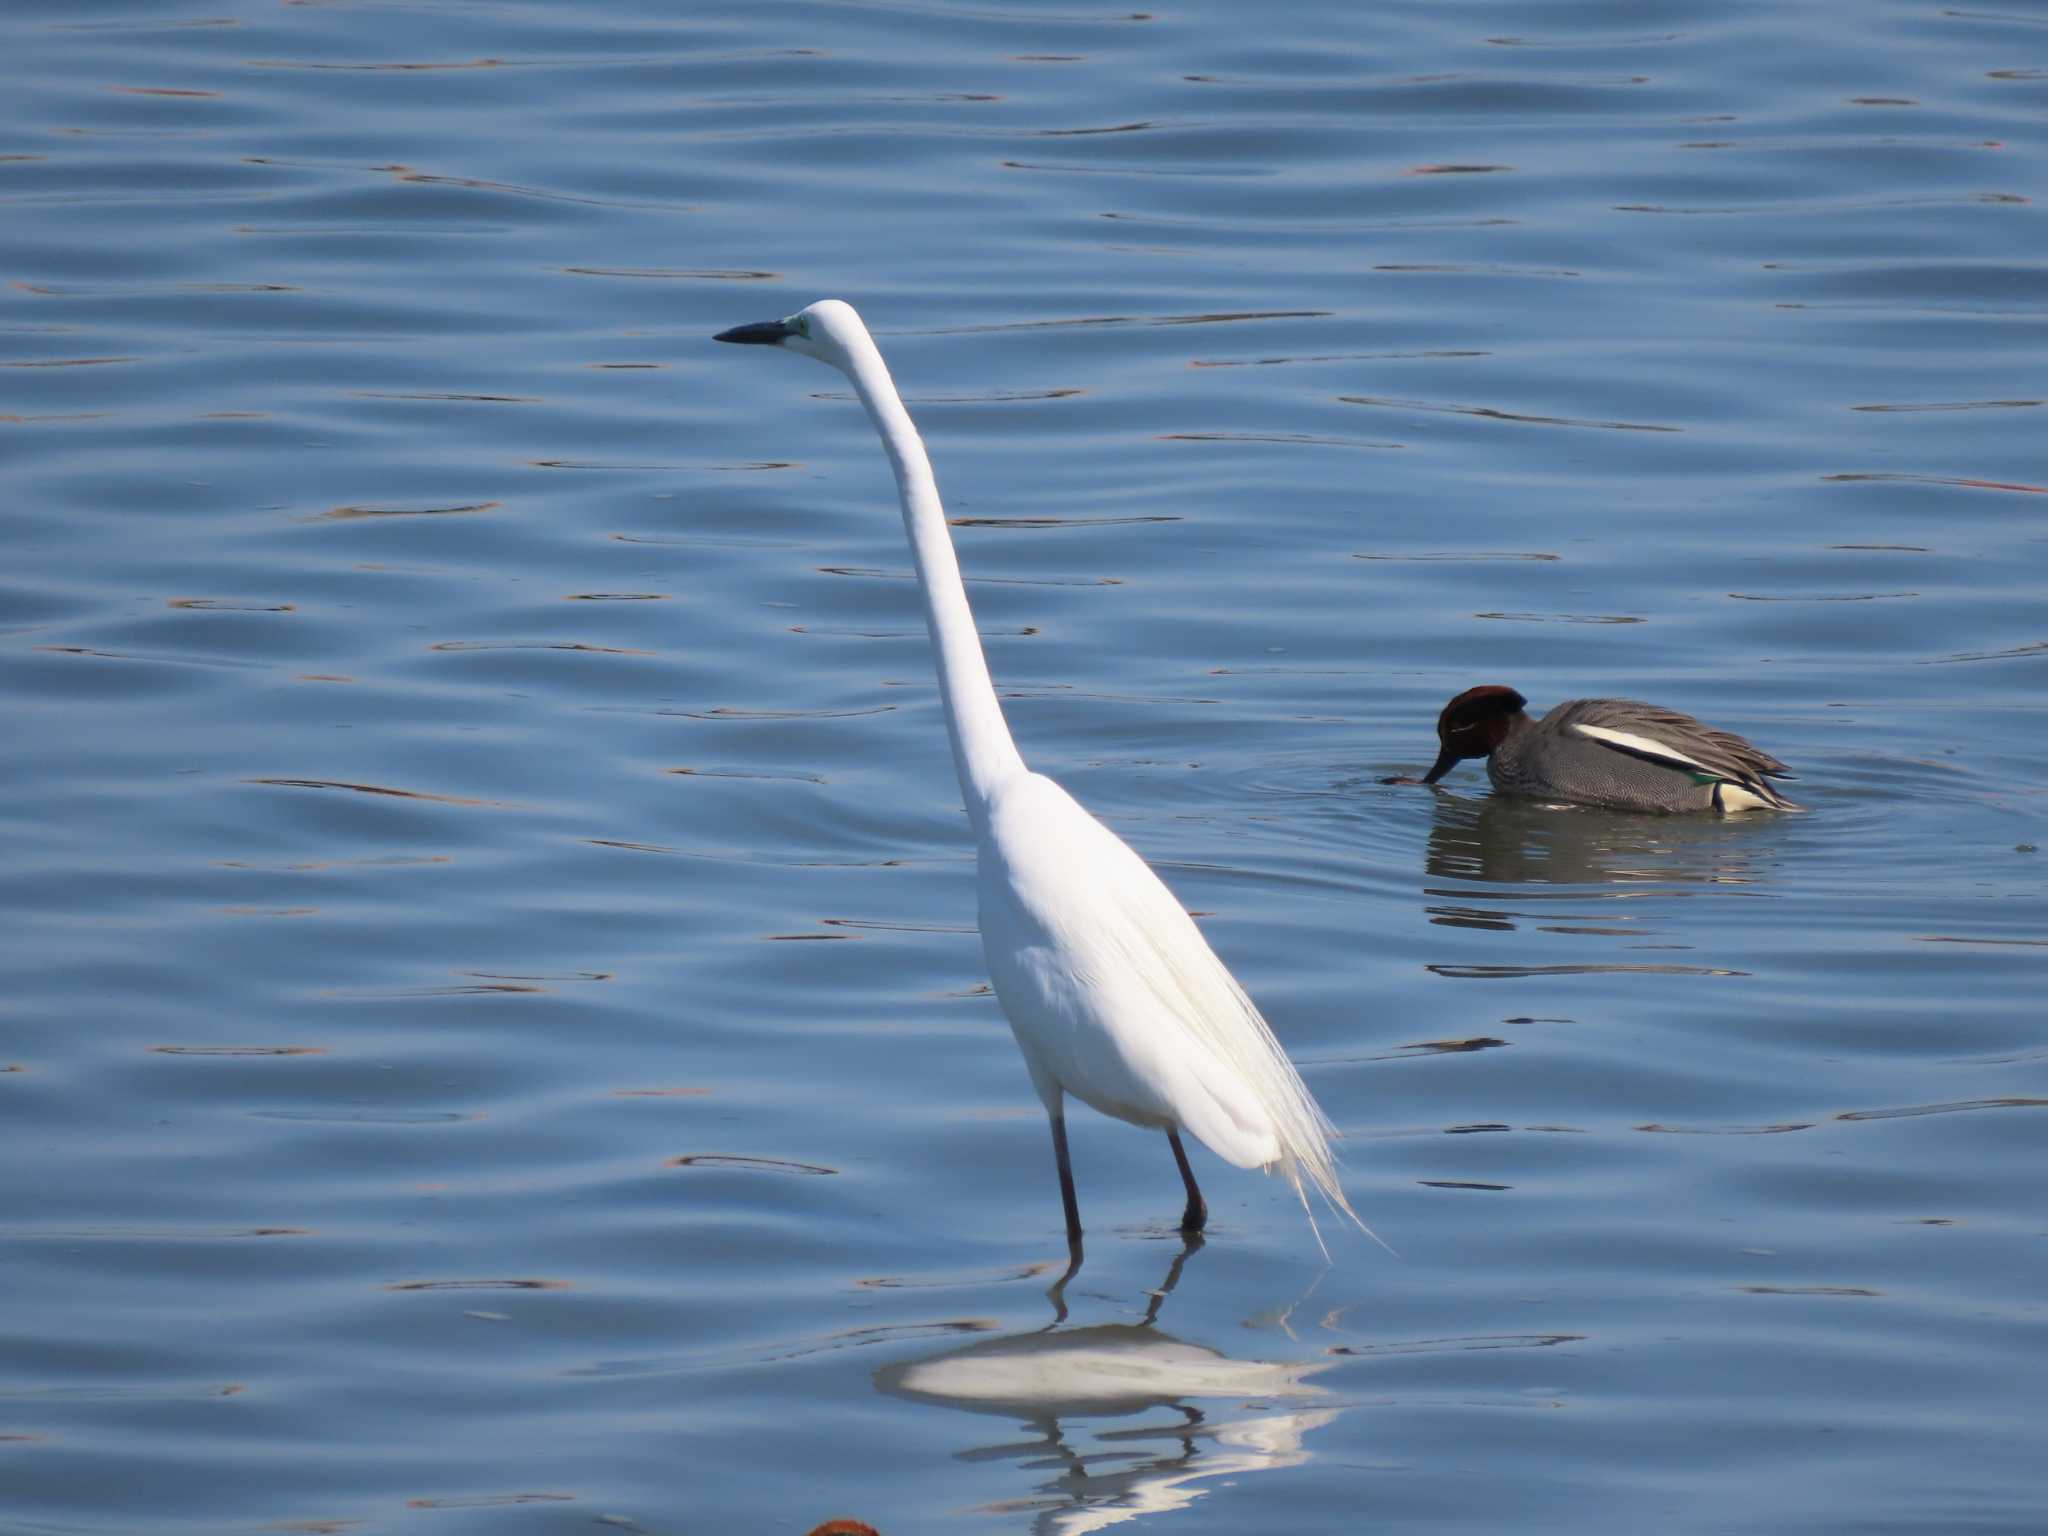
(1205, 1417)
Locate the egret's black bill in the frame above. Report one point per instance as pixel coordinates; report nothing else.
(763, 333)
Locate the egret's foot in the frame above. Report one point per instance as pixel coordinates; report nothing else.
(1056, 1293)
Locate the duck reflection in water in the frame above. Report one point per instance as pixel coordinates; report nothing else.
(1526, 842)
(1057, 1381)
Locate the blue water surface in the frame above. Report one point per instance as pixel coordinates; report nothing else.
(493, 1036)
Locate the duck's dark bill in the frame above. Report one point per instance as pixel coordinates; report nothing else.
(763, 333)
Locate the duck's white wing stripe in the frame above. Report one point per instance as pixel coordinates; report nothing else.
(1646, 747)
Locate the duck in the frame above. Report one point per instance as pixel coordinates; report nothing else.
(1617, 754)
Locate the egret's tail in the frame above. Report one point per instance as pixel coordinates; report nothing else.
(1300, 1127)
(1324, 1176)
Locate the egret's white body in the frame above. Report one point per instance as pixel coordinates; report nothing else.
(1112, 993)
(1101, 973)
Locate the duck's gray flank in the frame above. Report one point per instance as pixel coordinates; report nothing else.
(1622, 754)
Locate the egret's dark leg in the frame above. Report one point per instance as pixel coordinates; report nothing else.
(1196, 1216)
(1059, 1152)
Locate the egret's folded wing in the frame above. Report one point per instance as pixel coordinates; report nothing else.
(1112, 922)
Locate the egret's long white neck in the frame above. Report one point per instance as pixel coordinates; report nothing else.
(983, 753)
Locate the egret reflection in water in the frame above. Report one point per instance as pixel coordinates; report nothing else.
(1203, 1415)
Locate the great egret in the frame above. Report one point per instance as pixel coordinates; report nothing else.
(1621, 754)
(1110, 989)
